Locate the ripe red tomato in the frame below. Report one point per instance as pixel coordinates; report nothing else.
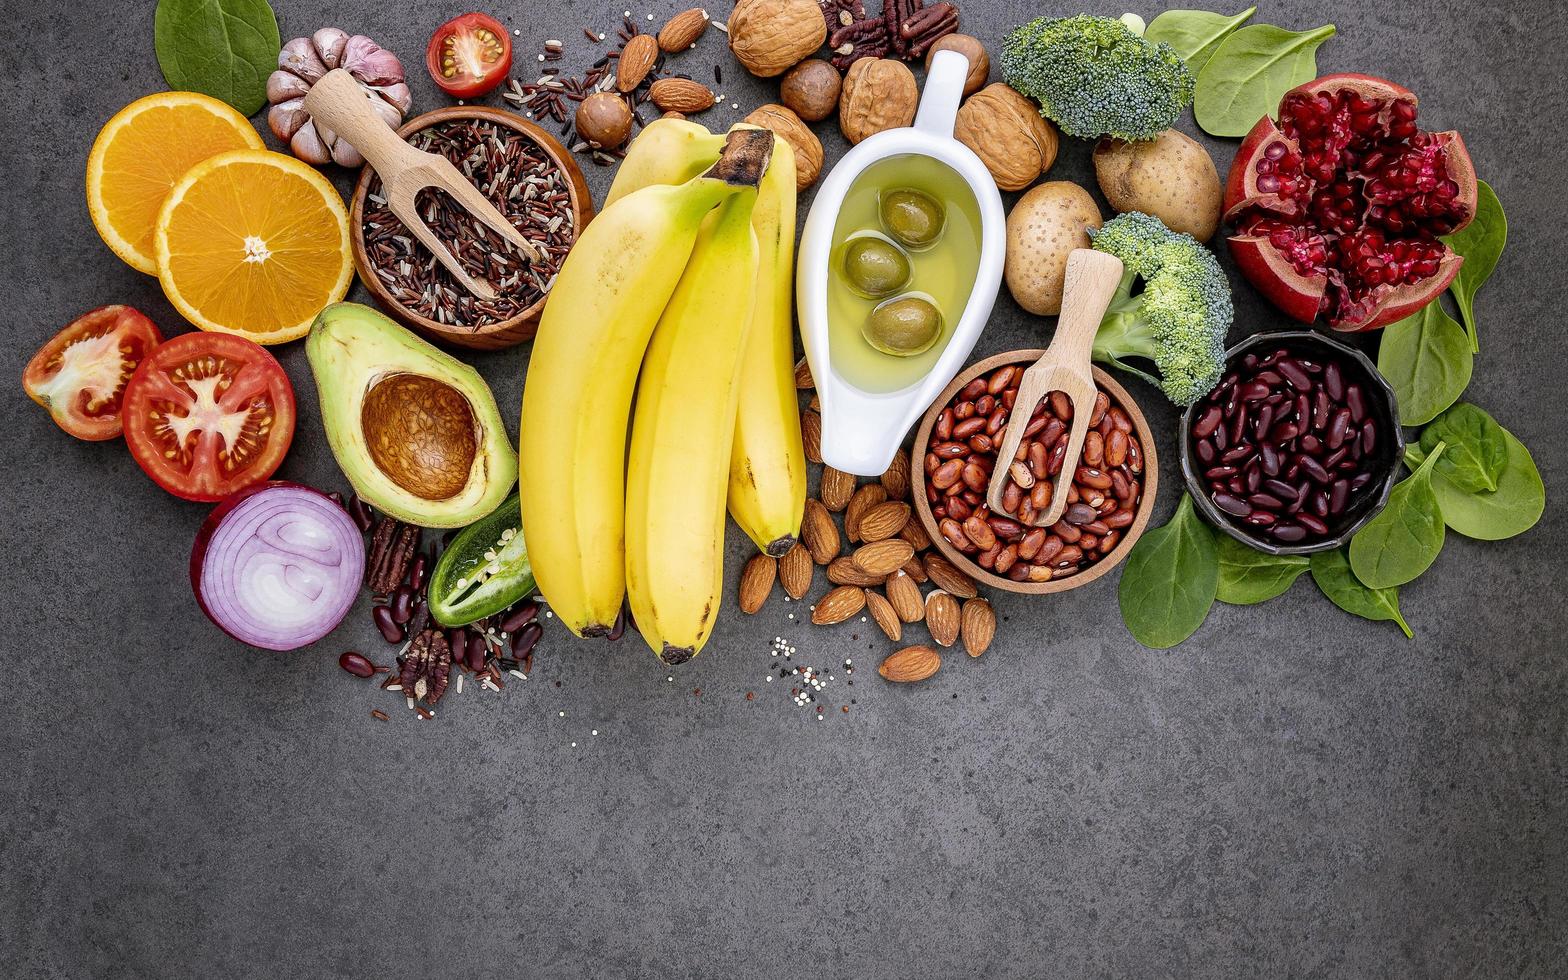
(208, 414)
(469, 55)
(80, 374)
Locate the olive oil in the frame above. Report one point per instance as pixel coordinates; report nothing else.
(942, 273)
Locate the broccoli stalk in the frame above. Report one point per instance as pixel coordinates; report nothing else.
(1179, 320)
(1097, 76)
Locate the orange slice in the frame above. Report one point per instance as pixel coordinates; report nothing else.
(142, 152)
(253, 243)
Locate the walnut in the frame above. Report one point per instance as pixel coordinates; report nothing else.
(879, 94)
(811, 89)
(770, 37)
(971, 48)
(1006, 131)
(786, 125)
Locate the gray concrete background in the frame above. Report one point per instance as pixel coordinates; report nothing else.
(1293, 793)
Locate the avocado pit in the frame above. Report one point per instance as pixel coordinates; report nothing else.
(420, 432)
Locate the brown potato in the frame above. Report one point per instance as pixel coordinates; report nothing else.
(1171, 177)
(1044, 227)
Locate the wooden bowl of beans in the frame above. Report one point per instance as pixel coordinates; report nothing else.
(1110, 499)
(528, 175)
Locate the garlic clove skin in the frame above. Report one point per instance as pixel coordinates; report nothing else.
(287, 117)
(371, 63)
(285, 85)
(308, 146)
(299, 57)
(345, 155)
(329, 43)
(387, 111)
(399, 96)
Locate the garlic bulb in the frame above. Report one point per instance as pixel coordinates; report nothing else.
(302, 63)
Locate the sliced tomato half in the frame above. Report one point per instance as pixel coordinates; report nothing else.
(469, 55)
(209, 414)
(80, 374)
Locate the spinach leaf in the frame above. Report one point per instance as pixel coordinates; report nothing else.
(1250, 72)
(1248, 576)
(1427, 359)
(1331, 571)
(1481, 243)
(1513, 508)
(1477, 448)
(222, 48)
(1400, 543)
(1169, 583)
(1195, 34)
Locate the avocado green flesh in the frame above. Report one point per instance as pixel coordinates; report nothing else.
(352, 349)
(463, 561)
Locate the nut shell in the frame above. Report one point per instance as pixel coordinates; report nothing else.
(878, 94)
(811, 89)
(770, 37)
(604, 119)
(788, 127)
(971, 48)
(1006, 131)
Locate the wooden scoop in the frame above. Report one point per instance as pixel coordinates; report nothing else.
(1091, 283)
(340, 104)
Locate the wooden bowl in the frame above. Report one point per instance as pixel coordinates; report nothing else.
(495, 336)
(1151, 473)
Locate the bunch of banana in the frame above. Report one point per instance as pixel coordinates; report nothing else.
(607, 299)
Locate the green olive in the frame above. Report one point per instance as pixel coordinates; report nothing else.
(913, 217)
(904, 326)
(874, 267)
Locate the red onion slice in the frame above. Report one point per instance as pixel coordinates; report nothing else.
(277, 565)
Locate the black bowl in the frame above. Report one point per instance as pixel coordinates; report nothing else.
(1389, 450)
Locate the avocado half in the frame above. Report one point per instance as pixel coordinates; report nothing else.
(415, 430)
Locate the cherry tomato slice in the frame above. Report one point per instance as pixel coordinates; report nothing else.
(209, 414)
(80, 374)
(469, 55)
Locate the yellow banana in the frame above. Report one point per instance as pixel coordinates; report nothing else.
(667, 151)
(682, 432)
(605, 303)
(767, 494)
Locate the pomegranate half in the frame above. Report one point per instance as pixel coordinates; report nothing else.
(1337, 208)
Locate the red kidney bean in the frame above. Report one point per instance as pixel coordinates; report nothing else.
(402, 605)
(1294, 373)
(980, 443)
(1334, 382)
(523, 613)
(1356, 402)
(1231, 505)
(947, 474)
(357, 664)
(361, 512)
(999, 379)
(391, 631)
(984, 405)
(1208, 422)
(1288, 533)
(523, 640)
(1313, 524)
(475, 652)
(973, 390)
(416, 572)
(1313, 469)
(943, 429)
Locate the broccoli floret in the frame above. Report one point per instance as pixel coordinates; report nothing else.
(1179, 320)
(1095, 76)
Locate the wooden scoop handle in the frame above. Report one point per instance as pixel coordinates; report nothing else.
(343, 106)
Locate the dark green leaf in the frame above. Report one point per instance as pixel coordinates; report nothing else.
(1513, 508)
(1477, 448)
(222, 48)
(1195, 34)
(1248, 576)
(1250, 72)
(1170, 580)
(1331, 571)
(1400, 543)
(1427, 359)
(1481, 243)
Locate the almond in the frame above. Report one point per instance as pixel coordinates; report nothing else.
(796, 571)
(838, 605)
(896, 479)
(864, 500)
(682, 31)
(910, 664)
(811, 435)
(946, 575)
(978, 626)
(756, 581)
(819, 532)
(915, 533)
(884, 520)
(636, 60)
(835, 489)
(680, 95)
(943, 617)
(844, 571)
(883, 615)
(904, 594)
(883, 557)
(916, 570)
(803, 375)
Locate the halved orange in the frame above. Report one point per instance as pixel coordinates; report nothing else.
(142, 152)
(253, 243)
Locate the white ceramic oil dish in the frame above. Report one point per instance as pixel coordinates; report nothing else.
(861, 429)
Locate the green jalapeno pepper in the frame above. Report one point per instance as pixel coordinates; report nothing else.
(485, 569)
